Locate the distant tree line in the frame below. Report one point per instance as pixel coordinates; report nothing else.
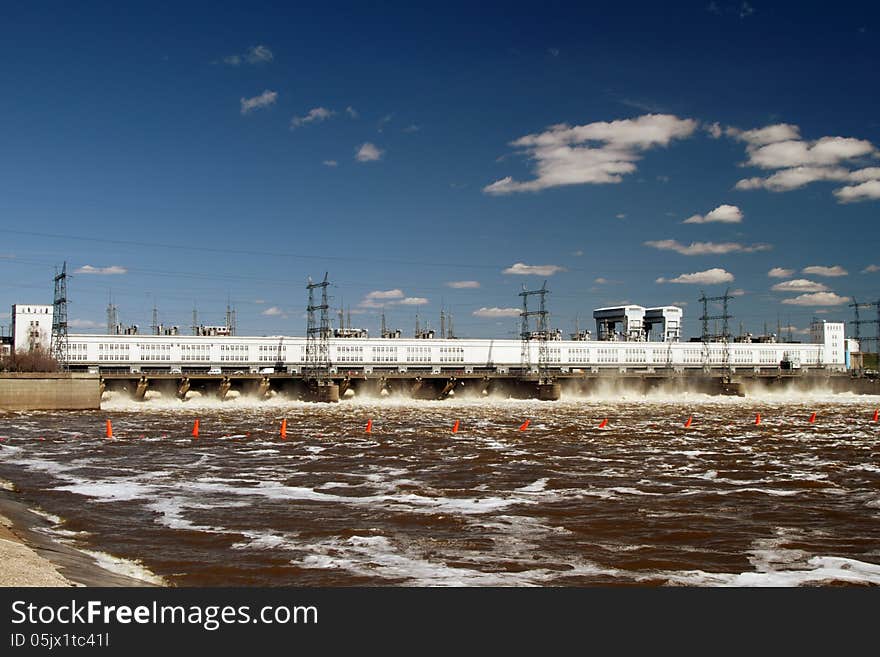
(30, 360)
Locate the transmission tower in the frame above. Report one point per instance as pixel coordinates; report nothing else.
(543, 333)
(112, 318)
(230, 318)
(318, 335)
(858, 322)
(59, 320)
(724, 336)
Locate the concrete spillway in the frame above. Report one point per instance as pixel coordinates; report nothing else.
(435, 387)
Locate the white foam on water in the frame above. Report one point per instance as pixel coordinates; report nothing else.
(765, 491)
(627, 490)
(170, 512)
(109, 491)
(264, 541)
(127, 567)
(44, 465)
(377, 556)
(819, 570)
(534, 487)
(51, 517)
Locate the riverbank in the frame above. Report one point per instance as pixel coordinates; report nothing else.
(31, 556)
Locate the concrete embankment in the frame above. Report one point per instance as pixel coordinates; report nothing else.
(49, 391)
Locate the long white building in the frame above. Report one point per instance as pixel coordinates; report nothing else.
(230, 354)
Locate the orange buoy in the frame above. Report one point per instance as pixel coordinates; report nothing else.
(813, 417)
(369, 426)
(876, 415)
(603, 423)
(195, 431)
(455, 427)
(758, 419)
(109, 429)
(525, 425)
(284, 429)
(688, 423)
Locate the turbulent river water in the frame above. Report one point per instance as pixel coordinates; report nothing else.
(644, 501)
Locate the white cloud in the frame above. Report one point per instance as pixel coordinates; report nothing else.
(779, 272)
(497, 312)
(767, 135)
(728, 214)
(314, 115)
(600, 281)
(254, 55)
(738, 292)
(463, 285)
(522, 269)
(799, 162)
(595, 153)
(708, 277)
(827, 151)
(257, 102)
(800, 285)
(707, 248)
(870, 269)
(368, 152)
(861, 175)
(714, 129)
(379, 298)
(274, 311)
(620, 215)
(330, 163)
(819, 270)
(866, 191)
(578, 253)
(352, 112)
(84, 324)
(794, 178)
(412, 128)
(259, 55)
(385, 294)
(113, 270)
(817, 299)
(413, 301)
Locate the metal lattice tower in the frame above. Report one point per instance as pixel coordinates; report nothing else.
(195, 324)
(543, 332)
(112, 318)
(230, 319)
(858, 322)
(724, 336)
(318, 335)
(59, 320)
(154, 327)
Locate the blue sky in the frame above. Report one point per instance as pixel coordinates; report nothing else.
(188, 155)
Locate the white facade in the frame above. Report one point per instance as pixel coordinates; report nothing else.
(631, 318)
(161, 353)
(832, 336)
(31, 326)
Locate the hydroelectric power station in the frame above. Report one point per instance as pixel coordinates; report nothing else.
(636, 345)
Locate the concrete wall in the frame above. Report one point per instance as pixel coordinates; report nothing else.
(51, 392)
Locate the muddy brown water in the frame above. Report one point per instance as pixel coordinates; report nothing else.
(645, 501)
